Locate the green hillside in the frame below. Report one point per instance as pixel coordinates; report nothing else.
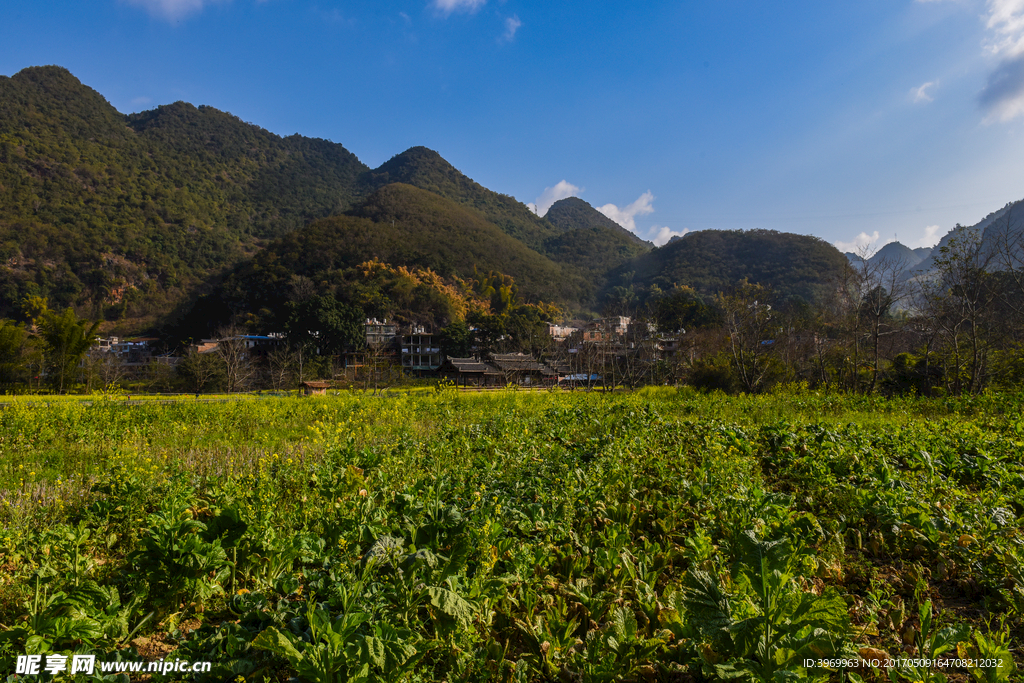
(711, 261)
(131, 218)
(425, 169)
(590, 241)
(403, 225)
(126, 215)
(573, 213)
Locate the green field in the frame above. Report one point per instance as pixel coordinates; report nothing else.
(515, 536)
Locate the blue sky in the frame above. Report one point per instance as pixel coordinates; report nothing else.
(857, 121)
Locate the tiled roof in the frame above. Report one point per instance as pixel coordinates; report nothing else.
(471, 365)
(520, 362)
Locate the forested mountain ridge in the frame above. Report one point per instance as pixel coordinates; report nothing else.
(402, 224)
(712, 261)
(584, 240)
(998, 232)
(127, 217)
(573, 213)
(130, 217)
(589, 240)
(426, 169)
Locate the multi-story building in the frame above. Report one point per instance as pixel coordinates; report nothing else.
(421, 351)
(380, 334)
(561, 332)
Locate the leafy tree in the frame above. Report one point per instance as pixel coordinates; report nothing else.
(683, 309)
(490, 331)
(13, 339)
(66, 339)
(324, 323)
(456, 339)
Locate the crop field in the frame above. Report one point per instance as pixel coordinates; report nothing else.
(661, 535)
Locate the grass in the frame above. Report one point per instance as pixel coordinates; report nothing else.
(579, 520)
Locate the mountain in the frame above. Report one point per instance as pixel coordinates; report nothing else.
(426, 169)
(416, 227)
(893, 253)
(130, 217)
(711, 261)
(126, 216)
(590, 241)
(400, 225)
(997, 230)
(573, 213)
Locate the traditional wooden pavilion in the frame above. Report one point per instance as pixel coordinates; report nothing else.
(471, 372)
(315, 388)
(523, 368)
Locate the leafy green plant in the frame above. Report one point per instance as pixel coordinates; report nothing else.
(768, 625)
(346, 648)
(930, 644)
(175, 557)
(995, 647)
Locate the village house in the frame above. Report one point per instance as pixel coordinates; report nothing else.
(524, 369)
(379, 334)
(471, 372)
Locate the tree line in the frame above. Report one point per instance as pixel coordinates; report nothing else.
(955, 329)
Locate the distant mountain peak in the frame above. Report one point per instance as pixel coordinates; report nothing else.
(421, 151)
(44, 74)
(893, 253)
(575, 213)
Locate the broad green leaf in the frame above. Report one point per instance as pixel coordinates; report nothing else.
(450, 604)
(272, 640)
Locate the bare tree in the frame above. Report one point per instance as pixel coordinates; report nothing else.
(640, 353)
(959, 298)
(869, 306)
(200, 370)
(379, 367)
(282, 366)
(584, 360)
(1008, 251)
(104, 368)
(239, 369)
(752, 333)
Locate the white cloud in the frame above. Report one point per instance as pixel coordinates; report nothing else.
(661, 235)
(1006, 20)
(512, 25)
(626, 216)
(921, 94)
(446, 7)
(1002, 98)
(550, 195)
(863, 241)
(1003, 95)
(930, 237)
(172, 10)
